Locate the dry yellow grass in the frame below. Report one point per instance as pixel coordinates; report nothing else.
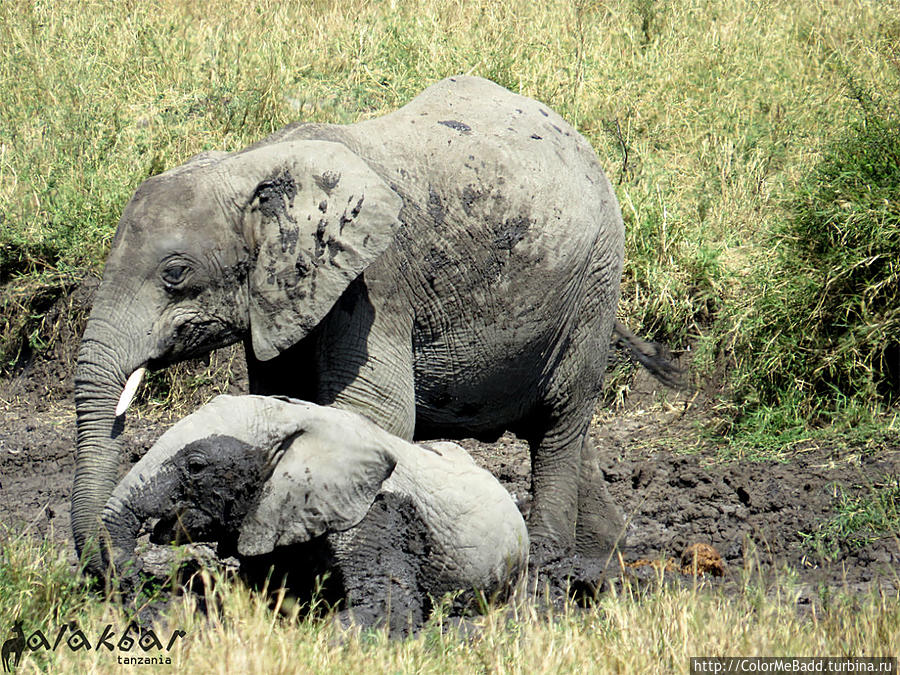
(651, 631)
(624, 633)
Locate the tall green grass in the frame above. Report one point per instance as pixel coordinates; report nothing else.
(714, 121)
(827, 324)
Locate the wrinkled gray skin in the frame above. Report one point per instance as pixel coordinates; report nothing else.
(448, 270)
(398, 521)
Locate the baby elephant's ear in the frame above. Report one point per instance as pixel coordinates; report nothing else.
(315, 488)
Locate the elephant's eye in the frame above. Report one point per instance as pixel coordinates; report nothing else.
(175, 274)
(196, 463)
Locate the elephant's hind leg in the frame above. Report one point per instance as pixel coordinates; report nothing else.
(572, 510)
(600, 525)
(571, 504)
(555, 459)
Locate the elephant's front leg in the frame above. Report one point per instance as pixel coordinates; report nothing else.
(365, 362)
(379, 561)
(358, 358)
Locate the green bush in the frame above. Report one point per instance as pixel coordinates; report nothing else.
(827, 321)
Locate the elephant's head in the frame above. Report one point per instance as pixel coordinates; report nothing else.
(258, 244)
(272, 471)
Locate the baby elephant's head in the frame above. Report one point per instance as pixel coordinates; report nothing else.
(196, 490)
(257, 472)
(209, 487)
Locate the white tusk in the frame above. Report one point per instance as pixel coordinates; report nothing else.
(129, 391)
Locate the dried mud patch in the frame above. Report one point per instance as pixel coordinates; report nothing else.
(738, 517)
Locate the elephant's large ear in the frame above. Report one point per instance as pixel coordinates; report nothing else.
(316, 221)
(314, 490)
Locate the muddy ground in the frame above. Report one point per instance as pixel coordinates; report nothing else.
(673, 486)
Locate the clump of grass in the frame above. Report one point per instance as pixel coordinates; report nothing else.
(858, 521)
(184, 386)
(36, 582)
(26, 323)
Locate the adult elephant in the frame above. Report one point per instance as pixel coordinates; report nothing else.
(448, 270)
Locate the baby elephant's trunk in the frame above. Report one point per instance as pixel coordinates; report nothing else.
(122, 525)
(128, 507)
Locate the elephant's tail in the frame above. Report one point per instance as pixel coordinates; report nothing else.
(650, 355)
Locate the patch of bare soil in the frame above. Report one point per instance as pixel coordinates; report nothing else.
(675, 493)
(691, 514)
(37, 460)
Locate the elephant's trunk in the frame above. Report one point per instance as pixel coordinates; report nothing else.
(137, 498)
(104, 365)
(121, 524)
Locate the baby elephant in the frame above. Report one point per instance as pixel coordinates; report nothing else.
(396, 522)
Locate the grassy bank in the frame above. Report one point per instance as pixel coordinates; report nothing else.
(626, 631)
(715, 122)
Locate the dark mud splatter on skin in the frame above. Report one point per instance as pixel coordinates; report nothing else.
(319, 237)
(457, 126)
(470, 197)
(274, 197)
(511, 232)
(383, 563)
(435, 261)
(334, 248)
(328, 181)
(354, 213)
(304, 266)
(435, 207)
(218, 472)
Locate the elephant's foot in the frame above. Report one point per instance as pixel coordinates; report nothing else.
(551, 518)
(549, 538)
(600, 531)
(556, 576)
(545, 551)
